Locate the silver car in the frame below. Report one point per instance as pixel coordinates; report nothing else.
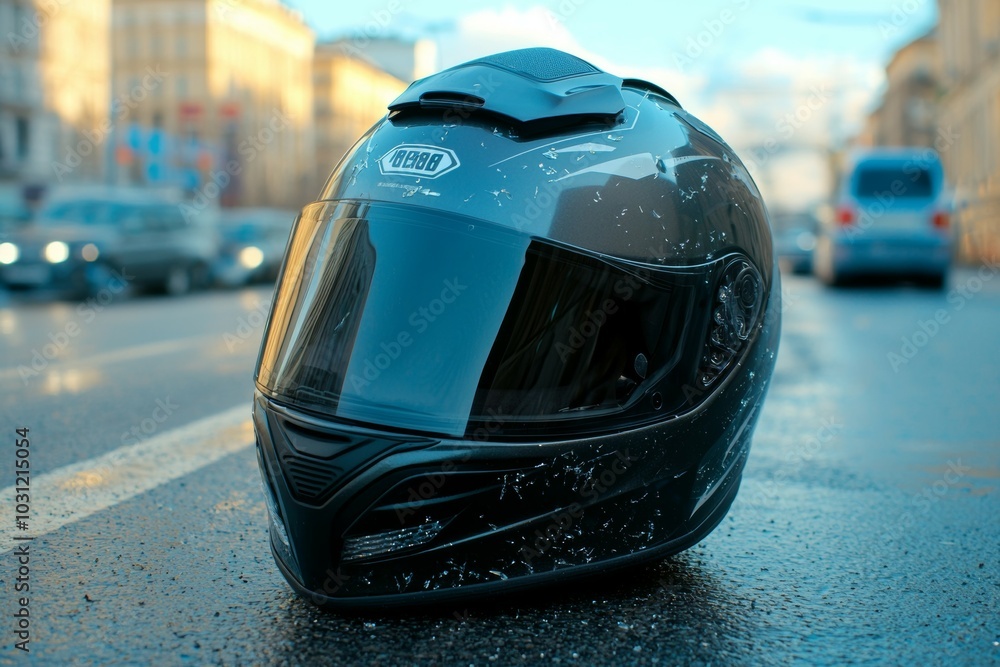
(892, 218)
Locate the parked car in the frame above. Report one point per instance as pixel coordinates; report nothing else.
(253, 245)
(892, 218)
(12, 216)
(76, 246)
(795, 241)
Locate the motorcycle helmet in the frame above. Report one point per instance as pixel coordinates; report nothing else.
(523, 335)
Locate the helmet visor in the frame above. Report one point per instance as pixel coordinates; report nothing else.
(414, 319)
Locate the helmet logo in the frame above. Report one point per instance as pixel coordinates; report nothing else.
(418, 160)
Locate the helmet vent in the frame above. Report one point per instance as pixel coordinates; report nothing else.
(541, 64)
(310, 479)
(536, 90)
(451, 100)
(315, 463)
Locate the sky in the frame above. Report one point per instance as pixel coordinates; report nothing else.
(783, 81)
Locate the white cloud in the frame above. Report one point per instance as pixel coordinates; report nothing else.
(752, 99)
(490, 31)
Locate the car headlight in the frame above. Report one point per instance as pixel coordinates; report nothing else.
(56, 252)
(9, 253)
(251, 257)
(90, 252)
(805, 242)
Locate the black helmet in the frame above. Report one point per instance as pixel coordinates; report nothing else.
(524, 335)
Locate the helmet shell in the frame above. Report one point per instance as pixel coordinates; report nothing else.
(509, 444)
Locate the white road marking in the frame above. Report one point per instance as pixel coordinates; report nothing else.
(76, 491)
(115, 356)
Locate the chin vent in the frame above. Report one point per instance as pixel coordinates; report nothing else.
(310, 479)
(315, 463)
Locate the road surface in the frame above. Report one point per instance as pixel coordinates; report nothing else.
(867, 529)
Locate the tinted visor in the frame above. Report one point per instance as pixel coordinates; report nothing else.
(412, 319)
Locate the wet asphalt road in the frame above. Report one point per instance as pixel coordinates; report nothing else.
(867, 530)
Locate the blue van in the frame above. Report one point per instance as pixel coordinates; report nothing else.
(891, 218)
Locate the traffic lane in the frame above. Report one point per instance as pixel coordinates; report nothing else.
(823, 558)
(928, 504)
(77, 410)
(936, 406)
(804, 575)
(828, 558)
(205, 588)
(78, 330)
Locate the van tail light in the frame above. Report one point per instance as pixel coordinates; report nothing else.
(844, 216)
(941, 220)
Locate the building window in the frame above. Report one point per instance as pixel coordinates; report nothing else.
(993, 136)
(134, 86)
(19, 15)
(23, 134)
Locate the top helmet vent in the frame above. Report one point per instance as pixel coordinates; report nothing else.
(537, 90)
(541, 64)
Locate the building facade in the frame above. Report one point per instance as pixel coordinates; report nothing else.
(969, 120)
(351, 94)
(407, 60)
(909, 107)
(54, 91)
(215, 96)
